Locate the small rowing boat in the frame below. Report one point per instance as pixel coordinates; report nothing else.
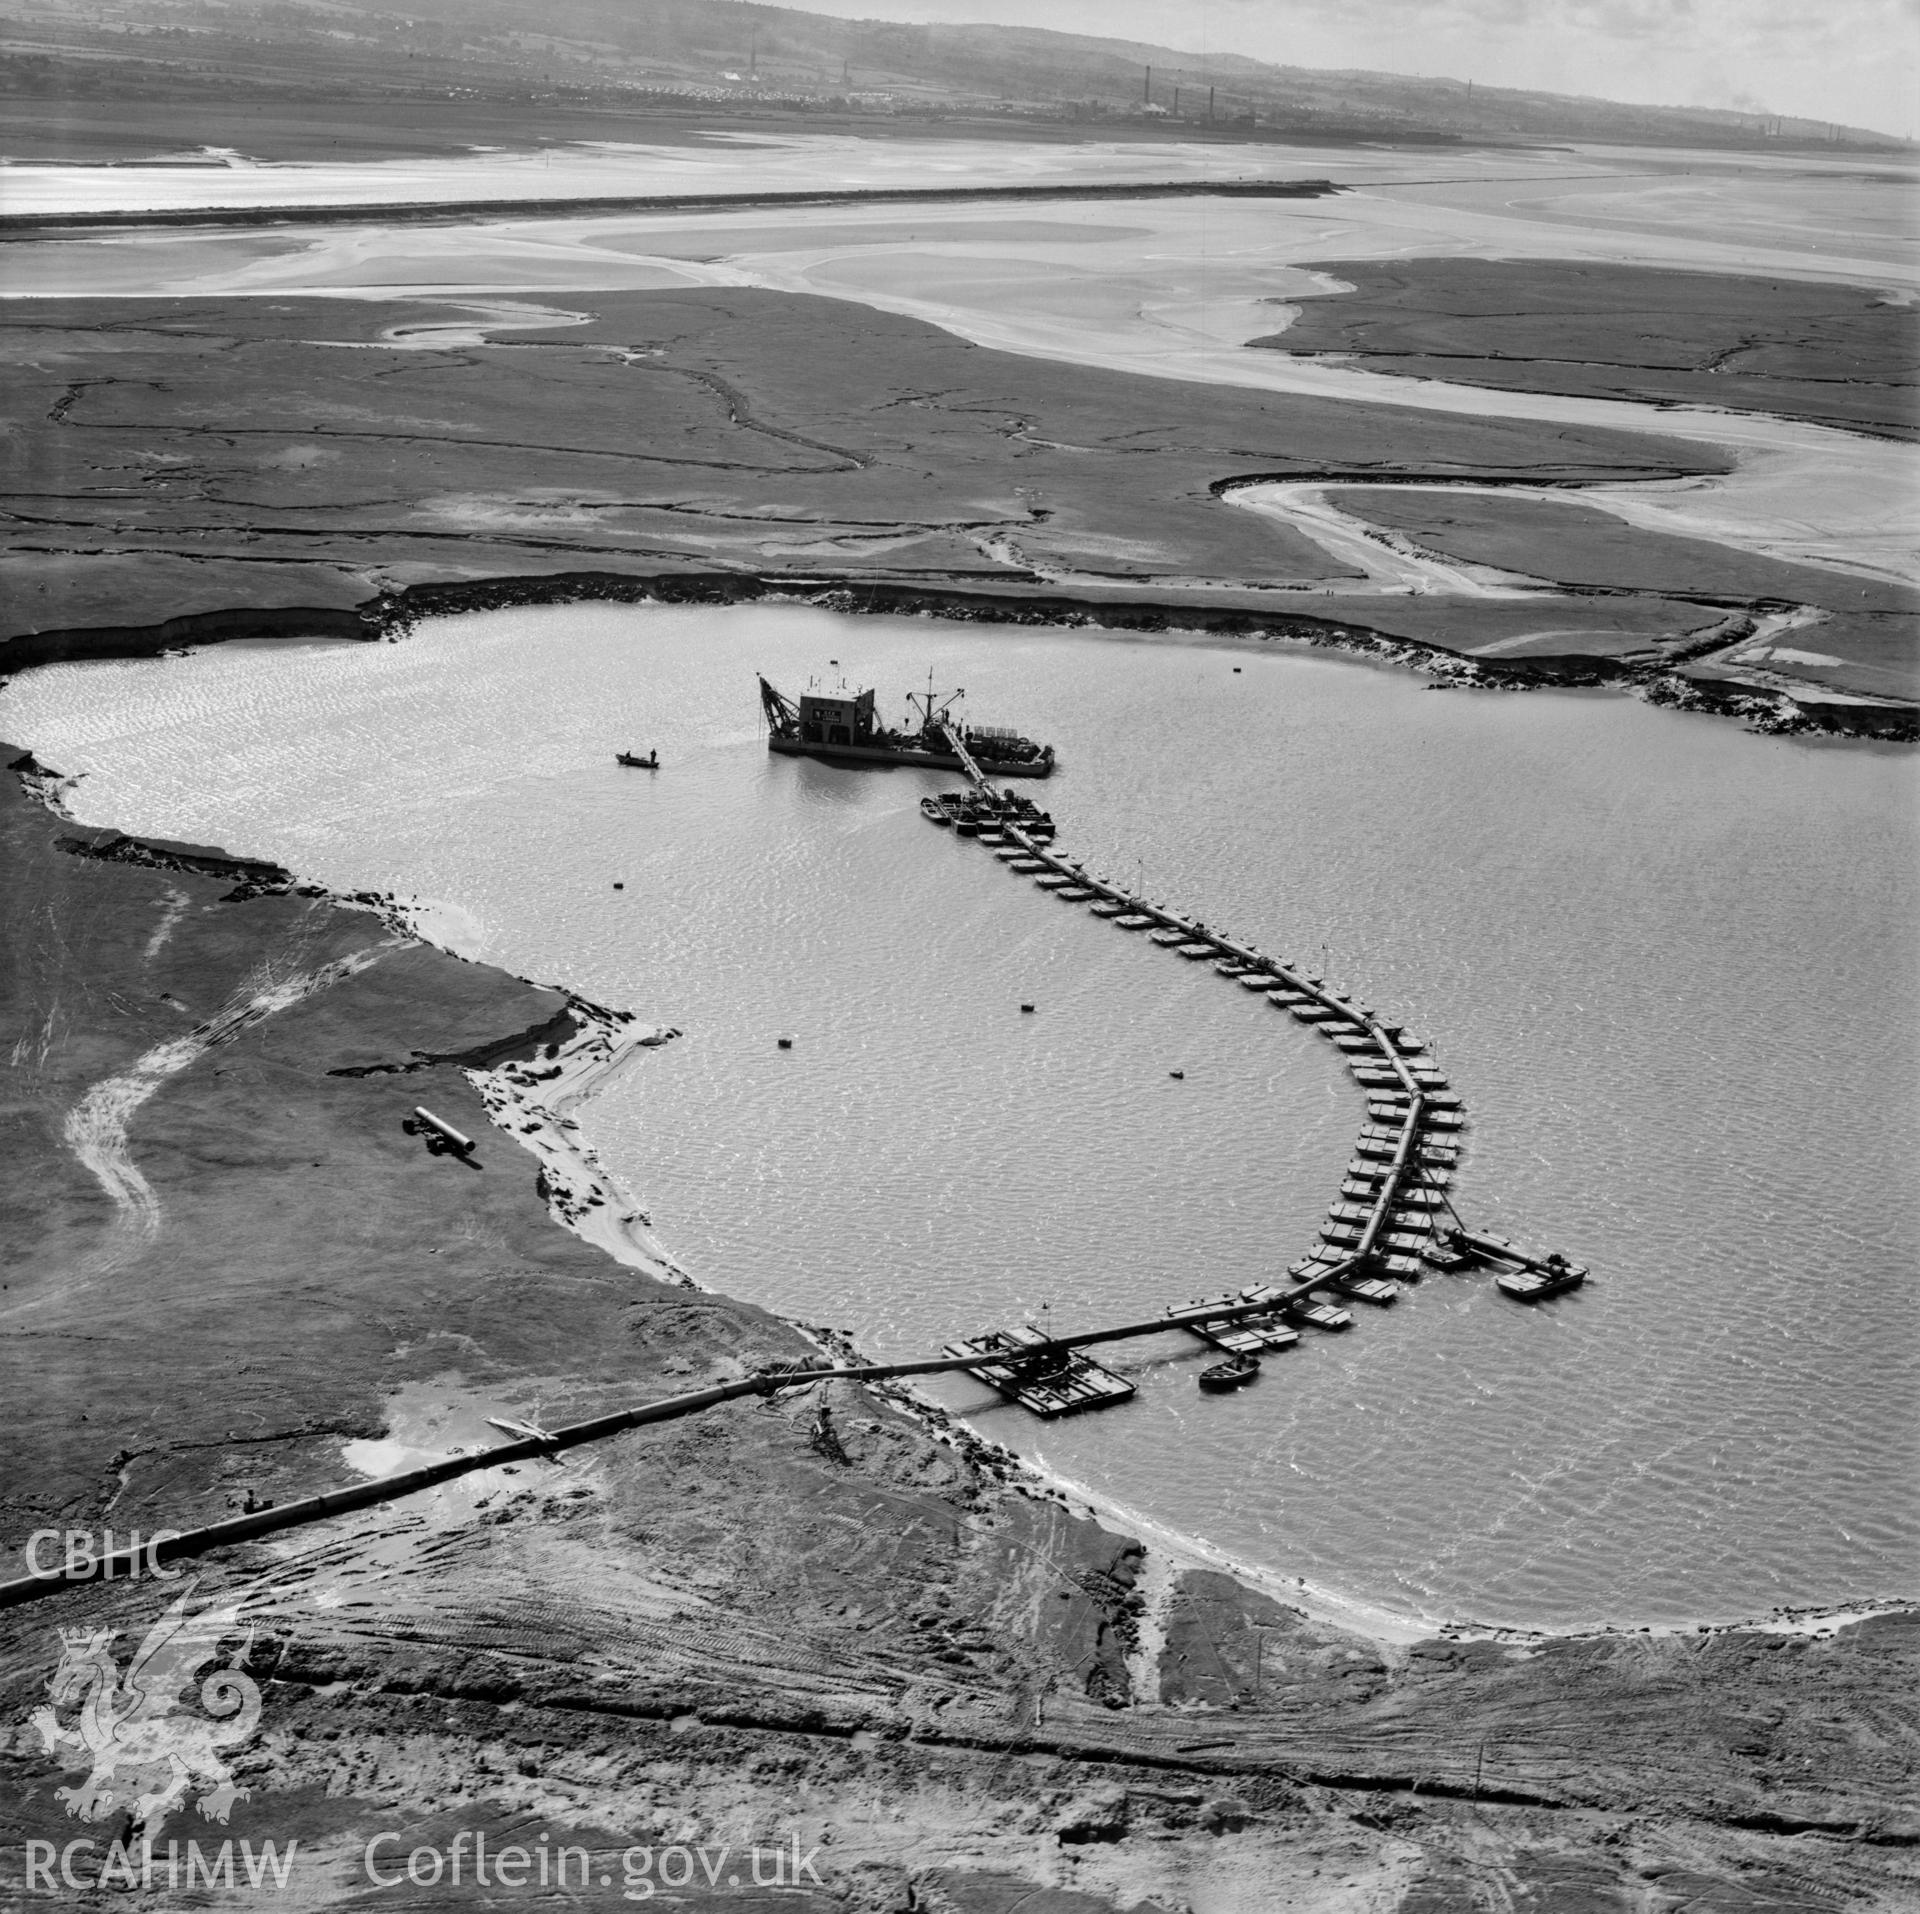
(1235, 1373)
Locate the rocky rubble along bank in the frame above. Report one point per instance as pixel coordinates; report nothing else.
(1652, 676)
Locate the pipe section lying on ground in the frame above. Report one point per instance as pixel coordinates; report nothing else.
(454, 1139)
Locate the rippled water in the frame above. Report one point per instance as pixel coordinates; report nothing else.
(1668, 965)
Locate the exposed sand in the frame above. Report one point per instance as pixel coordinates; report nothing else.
(717, 162)
(1388, 561)
(96, 1126)
(1800, 492)
(1391, 560)
(1800, 203)
(533, 1102)
(1178, 1553)
(1162, 289)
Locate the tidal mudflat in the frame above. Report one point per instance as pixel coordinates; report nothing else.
(1847, 356)
(1175, 292)
(245, 452)
(850, 1619)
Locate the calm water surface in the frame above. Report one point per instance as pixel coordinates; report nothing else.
(1668, 965)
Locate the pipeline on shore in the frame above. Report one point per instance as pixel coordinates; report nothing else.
(1329, 1267)
(124, 1564)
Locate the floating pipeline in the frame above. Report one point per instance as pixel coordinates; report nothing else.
(1417, 1097)
(1329, 1268)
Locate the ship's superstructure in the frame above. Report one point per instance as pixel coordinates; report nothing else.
(846, 724)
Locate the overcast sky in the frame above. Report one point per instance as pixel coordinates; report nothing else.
(1857, 61)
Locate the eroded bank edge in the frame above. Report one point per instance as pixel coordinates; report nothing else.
(391, 614)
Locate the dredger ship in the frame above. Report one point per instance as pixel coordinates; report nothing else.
(846, 724)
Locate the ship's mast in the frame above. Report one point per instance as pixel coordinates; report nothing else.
(933, 708)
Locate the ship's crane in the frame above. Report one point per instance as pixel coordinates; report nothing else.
(782, 714)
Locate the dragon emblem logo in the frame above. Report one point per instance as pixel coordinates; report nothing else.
(144, 1752)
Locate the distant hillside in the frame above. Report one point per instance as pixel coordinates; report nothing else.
(717, 53)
